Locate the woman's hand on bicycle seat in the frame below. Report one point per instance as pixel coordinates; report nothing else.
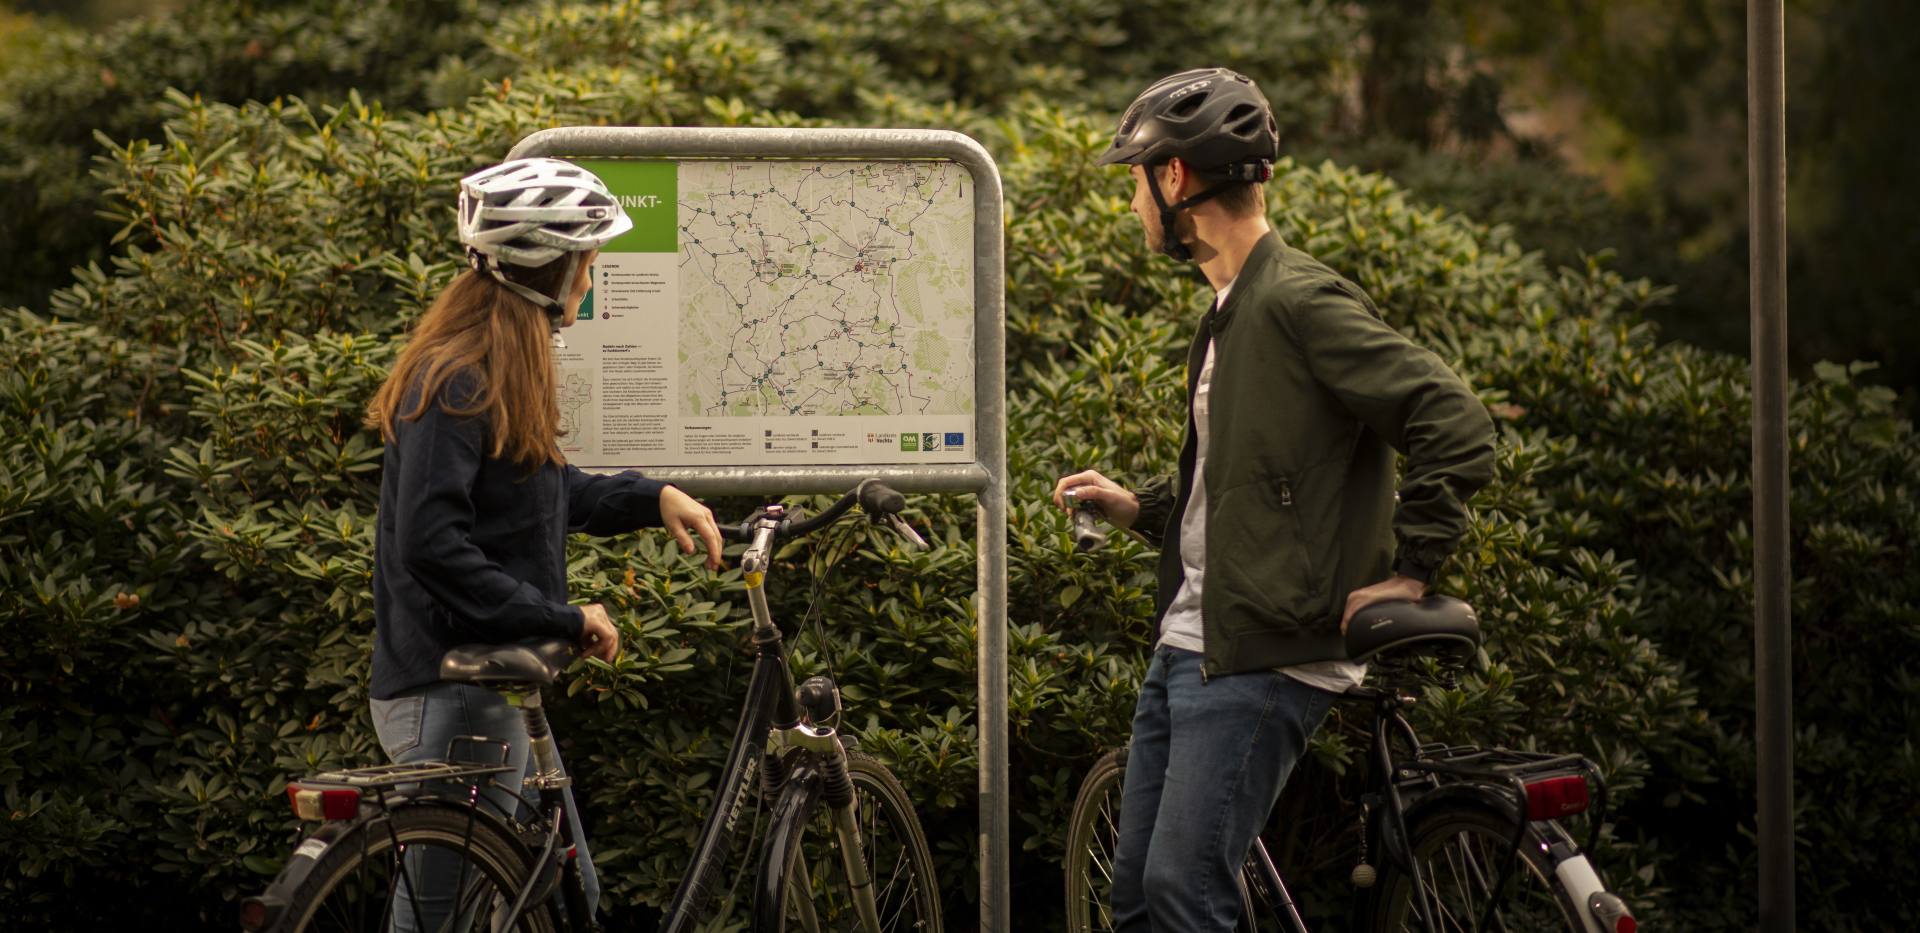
(1120, 506)
(685, 517)
(599, 639)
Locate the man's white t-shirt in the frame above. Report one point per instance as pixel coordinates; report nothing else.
(1180, 627)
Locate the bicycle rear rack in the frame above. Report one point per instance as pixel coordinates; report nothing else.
(451, 768)
(380, 777)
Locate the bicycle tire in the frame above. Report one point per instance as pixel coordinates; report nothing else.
(1093, 827)
(1471, 840)
(803, 850)
(330, 898)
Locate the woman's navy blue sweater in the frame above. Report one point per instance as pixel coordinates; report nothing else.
(471, 548)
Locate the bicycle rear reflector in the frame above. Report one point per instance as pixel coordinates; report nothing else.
(1554, 797)
(259, 913)
(342, 803)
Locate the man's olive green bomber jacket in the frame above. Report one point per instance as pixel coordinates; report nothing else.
(1312, 393)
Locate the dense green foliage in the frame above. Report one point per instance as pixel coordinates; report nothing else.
(68, 85)
(186, 493)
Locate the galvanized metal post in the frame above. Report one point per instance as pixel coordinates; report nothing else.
(1772, 647)
(990, 394)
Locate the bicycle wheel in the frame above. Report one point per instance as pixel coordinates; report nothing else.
(803, 879)
(1093, 832)
(363, 879)
(1459, 850)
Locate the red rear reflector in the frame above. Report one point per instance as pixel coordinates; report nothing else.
(1625, 925)
(324, 803)
(1555, 797)
(253, 915)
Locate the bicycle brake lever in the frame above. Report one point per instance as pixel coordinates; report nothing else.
(906, 531)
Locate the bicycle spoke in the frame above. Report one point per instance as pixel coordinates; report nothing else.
(1457, 856)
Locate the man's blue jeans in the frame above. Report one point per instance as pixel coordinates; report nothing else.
(416, 726)
(1207, 762)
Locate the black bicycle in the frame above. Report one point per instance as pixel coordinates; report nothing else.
(843, 850)
(1467, 838)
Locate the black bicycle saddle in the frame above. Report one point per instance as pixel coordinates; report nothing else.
(1400, 630)
(534, 661)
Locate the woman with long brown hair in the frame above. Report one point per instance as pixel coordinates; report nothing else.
(476, 498)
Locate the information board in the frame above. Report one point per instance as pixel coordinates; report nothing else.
(777, 312)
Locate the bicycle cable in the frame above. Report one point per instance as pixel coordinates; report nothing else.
(816, 597)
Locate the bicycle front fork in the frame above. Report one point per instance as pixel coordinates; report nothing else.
(819, 703)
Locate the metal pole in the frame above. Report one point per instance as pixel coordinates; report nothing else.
(990, 393)
(1773, 651)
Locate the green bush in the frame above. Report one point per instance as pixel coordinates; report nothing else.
(186, 492)
(76, 83)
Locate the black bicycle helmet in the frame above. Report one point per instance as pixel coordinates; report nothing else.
(1213, 119)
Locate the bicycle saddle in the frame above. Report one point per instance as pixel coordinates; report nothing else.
(534, 661)
(1401, 630)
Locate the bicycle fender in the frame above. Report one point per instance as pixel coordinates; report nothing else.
(1577, 878)
(307, 855)
(1498, 799)
(1478, 795)
(789, 819)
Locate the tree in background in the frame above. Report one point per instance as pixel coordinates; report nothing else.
(1649, 96)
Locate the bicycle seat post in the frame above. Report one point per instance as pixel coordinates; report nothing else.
(547, 773)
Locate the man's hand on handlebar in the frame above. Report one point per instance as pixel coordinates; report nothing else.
(1120, 506)
(599, 639)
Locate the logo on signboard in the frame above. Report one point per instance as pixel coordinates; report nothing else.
(956, 440)
(909, 441)
(930, 441)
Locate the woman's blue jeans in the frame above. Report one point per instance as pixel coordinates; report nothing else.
(416, 726)
(1207, 762)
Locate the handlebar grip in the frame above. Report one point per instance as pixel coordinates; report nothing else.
(1086, 516)
(1086, 532)
(877, 498)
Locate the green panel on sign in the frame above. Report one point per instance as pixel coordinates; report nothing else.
(650, 192)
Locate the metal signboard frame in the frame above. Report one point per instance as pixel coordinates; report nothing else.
(985, 477)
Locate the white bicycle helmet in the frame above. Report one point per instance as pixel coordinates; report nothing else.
(528, 212)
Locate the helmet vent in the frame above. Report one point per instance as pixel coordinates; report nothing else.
(1245, 121)
(1188, 106)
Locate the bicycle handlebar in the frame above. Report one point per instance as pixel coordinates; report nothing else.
(874, 497)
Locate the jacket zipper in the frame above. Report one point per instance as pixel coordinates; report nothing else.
(1286, 492)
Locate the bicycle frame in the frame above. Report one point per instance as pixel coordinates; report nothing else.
(770, 722)
(773, 721)
(769, 706)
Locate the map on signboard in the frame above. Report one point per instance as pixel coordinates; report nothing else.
(825, 288)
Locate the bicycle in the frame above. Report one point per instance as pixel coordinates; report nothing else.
(835, 811)
(1455, 824)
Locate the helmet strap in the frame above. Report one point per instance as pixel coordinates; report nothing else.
(555, 310)
(1169, 238)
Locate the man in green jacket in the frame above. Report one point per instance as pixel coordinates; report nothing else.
(1282, 518)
